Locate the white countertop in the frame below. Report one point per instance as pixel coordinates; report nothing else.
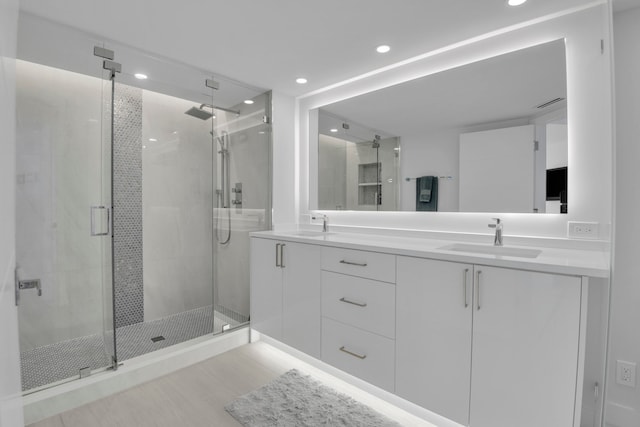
(576, 262)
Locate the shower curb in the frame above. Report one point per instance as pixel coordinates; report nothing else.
(55, 400)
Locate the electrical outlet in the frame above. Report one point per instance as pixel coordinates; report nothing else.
(626, 373)
(583, 230)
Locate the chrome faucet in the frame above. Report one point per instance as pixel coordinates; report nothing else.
(497, 240)
(325, 222)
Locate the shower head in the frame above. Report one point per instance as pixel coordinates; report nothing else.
(199, 113)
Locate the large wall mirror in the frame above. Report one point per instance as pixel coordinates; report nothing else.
(490, 136)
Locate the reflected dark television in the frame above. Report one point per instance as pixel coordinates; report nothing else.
(557, 183)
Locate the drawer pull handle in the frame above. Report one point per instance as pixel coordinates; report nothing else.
(359, 304)
(353, 263)
(359, 356)
(464, 287)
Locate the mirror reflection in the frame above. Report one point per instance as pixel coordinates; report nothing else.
(490, 136)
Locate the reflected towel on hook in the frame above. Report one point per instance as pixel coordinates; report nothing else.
(427, 193)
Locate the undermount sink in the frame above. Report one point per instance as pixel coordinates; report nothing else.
(493, 250)
(311, 233)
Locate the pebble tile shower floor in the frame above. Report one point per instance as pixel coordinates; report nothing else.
(55, 362)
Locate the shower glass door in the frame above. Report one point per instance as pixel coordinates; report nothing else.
(191, 180)
(63, 243)
(243, 202)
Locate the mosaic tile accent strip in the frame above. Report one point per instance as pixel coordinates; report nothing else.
(127, 206)
(56, 362)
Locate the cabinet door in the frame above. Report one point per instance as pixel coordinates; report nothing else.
(433, 335)
(266, 288)
(301, 297)
(525, 348)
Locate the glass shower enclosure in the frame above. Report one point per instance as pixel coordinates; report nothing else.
(135, 202)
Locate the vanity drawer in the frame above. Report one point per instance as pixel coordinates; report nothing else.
(364, 303)
(368, 356)
(372, 265)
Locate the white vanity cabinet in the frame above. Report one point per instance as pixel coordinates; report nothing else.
(433, 339)
(285, 292)
(359, 313)
(497, 345)
(526, 337)
(487, 346)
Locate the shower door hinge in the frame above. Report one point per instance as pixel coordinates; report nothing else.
(114, 67)
(85, 372)
(536, 146)
(602, 46)
(210, 83)
(266, 119)
(103, 53)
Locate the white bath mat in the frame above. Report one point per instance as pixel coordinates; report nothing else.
(298, 400)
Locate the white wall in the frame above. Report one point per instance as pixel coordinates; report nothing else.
(10, 390)
(286, 187)
(623, 403)
(177, 197)
(589, 106)
(432, 154)
(332, 172)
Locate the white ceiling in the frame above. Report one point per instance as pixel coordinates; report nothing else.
(270, 43)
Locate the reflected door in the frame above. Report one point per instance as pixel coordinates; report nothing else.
(497, 170)
(63, 233)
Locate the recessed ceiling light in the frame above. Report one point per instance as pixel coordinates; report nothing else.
(153, 139)
(516, 2)
(248, 101)
(140, 76)
(334, 130)
(383, 48)
(261, 132)
(301, 80)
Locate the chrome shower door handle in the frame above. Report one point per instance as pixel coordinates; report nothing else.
(92, 215)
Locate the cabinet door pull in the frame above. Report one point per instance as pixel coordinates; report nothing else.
(282, 245)
(359, 356)
(359, 304)
(478, 273)
(353, 263)
(464, 286)
(278, 254)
